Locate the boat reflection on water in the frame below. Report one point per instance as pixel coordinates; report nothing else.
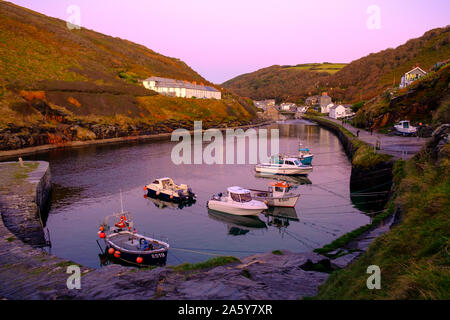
(237, 225)
(281, 217)
(161, 204)
(293, 180)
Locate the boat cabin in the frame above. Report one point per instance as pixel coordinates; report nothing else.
(239, 194)
(404, 124)
(279, 189)
(165, 183)
(303, 150)
(285, 161)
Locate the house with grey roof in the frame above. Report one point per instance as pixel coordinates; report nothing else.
(181, 88)
(411, 76)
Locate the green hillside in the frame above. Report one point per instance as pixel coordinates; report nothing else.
(291, 83)
(427, 100)
(362, 79)
(413, 256)
(58, 84)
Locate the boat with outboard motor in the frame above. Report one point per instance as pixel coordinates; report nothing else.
(277, 195)
(237, 201)
(284, 166)
(125, 244)
(166, 189)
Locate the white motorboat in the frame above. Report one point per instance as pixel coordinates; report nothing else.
(166, 189)
(237, 201)
(286, 166)
(277, 195)
(404, 127)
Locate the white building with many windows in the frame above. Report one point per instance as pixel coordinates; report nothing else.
(181, 88)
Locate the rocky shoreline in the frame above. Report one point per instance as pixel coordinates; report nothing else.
(123, 138)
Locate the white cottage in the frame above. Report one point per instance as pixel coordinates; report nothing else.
(411, 76)
(181, 88)
(337, 111)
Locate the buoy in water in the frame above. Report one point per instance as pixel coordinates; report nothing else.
(139, 260)
(145, 188)
(111, 250)
(117, 254)
(102, 235)
(101, 228)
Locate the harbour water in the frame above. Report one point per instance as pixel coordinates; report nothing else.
(87, 183)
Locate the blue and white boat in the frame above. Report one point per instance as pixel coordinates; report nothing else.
(305, 156)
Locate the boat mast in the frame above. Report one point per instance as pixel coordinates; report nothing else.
(121, 202)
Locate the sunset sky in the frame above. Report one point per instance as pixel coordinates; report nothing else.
(222, 39)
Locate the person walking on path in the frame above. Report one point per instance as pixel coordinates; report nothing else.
(357, 133)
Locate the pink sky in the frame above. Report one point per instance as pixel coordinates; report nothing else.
(223, 39)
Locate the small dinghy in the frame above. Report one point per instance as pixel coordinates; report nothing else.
(277, 195)
(285, 166)
(237, 201)
(129, 247)
(167, 190)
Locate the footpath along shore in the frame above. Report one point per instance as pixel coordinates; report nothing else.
(398, 146)
(28, 272)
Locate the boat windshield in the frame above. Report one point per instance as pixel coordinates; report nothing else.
(244, 197)
(405, 124)
(297, 163)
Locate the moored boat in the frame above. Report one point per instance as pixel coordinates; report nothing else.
(237, 201)
(305, 156)
(284, 166)
(166, 189)
(126, 245)
(277, 195)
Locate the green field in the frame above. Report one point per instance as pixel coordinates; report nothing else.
(319, 67)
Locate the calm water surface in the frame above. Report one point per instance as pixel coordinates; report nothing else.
(87, 185)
